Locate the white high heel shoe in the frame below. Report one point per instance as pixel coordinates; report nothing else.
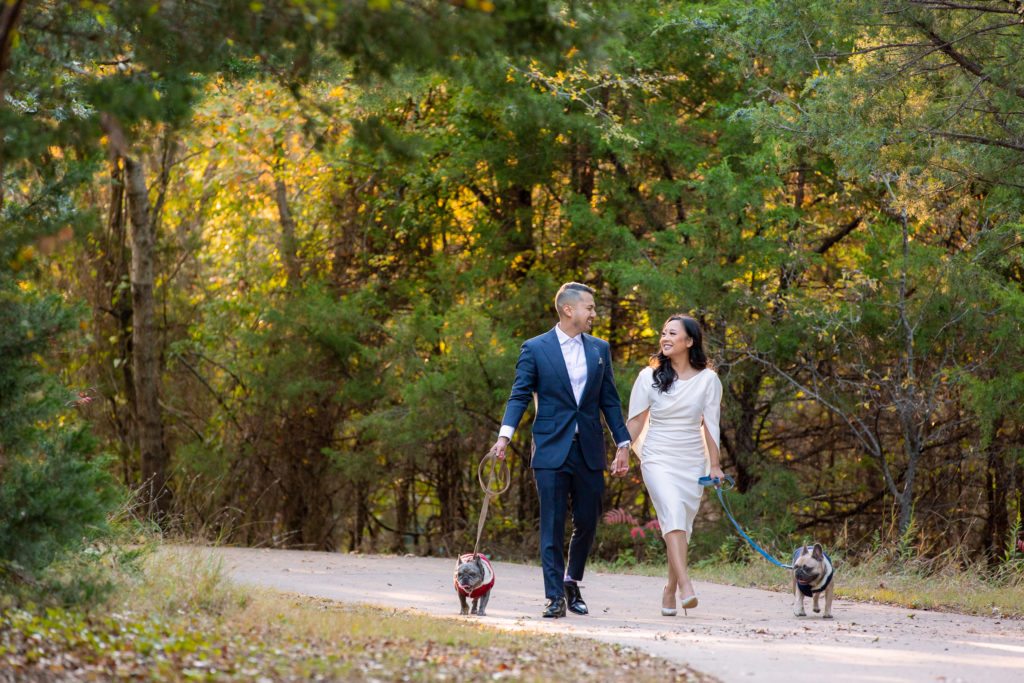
(668, 611)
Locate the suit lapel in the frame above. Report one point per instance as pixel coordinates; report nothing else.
(594, 364)
(554, 353)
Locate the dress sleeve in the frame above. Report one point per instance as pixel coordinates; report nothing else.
(639, 401)
(640, 396)
(713, 409)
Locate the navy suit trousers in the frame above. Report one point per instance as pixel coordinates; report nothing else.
(572, 484)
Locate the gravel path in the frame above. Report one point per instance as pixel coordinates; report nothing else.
(736, 634)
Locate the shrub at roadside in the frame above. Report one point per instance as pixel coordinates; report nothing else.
(55, 495)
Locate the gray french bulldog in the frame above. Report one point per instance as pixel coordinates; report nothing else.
(812, 576)
(474, 579)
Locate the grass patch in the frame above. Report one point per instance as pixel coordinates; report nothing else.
(183, 620)
(936, 584)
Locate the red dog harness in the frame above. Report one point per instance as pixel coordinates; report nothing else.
(482, 589)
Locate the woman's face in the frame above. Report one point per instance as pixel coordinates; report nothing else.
(674, 342)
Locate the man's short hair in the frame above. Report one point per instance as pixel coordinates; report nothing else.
(569, 294)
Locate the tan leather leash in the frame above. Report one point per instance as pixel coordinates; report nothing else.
(497, 476)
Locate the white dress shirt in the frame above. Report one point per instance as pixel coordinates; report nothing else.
(576, 365)
(575, 361)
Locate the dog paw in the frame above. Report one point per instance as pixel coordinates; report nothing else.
(817, 609)
(800, 613)
(464, 610)
(481, 613)
(826, 616)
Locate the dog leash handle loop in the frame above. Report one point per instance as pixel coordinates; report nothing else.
(498, 480)
(716, 482)
(719, 489)
(495, 471)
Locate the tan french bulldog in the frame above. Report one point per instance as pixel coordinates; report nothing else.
(812, 576)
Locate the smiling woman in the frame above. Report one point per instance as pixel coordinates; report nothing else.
(673, 420)
(681, 338)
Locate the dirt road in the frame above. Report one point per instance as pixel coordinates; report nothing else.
(736, 634)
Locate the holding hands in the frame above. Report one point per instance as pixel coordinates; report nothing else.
(620, 465)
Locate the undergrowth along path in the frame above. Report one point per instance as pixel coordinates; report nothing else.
(736, 634)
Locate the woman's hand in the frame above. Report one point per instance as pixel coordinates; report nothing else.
(717, 473)
(620, 465)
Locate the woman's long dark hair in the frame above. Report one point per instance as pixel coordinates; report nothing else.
(664, 375)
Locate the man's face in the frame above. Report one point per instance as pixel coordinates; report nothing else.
(583, 313)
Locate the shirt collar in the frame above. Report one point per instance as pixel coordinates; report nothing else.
(563, 338)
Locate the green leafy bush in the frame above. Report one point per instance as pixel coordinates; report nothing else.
(53, 502)
(55, 496)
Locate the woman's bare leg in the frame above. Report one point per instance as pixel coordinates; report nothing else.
(668, 596)
(675, 543)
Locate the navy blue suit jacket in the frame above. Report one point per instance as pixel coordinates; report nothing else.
(541, 376)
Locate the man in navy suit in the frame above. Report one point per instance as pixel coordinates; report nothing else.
(569, 375)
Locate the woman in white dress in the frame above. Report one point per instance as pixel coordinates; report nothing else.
(674, 412)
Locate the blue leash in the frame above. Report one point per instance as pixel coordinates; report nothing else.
(708, 481)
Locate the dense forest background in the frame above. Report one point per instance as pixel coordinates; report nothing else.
(267, 265)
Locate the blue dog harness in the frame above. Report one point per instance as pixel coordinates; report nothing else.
(805, 588)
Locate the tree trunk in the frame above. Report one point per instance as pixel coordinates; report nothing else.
(347, 243)
(448, 484)
(911, 439)
(402, 508)
(905, 503)
(618, 325)
(905, 500)
(583, 179)
(997, 484)
(289, 246)
(145, 347)
(1018, 489)
(519, 202)
(744, 389)
(10, 15)
(356, 532)
(113, 266)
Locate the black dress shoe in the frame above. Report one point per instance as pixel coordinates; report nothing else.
(555, 608)
(572, 595)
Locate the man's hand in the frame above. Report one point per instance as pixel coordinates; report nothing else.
(498, 449)
(621, 463)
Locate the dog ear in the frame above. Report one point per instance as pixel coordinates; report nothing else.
(818, 553)
(804, 549)
(459, 563)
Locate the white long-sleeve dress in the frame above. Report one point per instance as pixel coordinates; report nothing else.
(671, 447)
